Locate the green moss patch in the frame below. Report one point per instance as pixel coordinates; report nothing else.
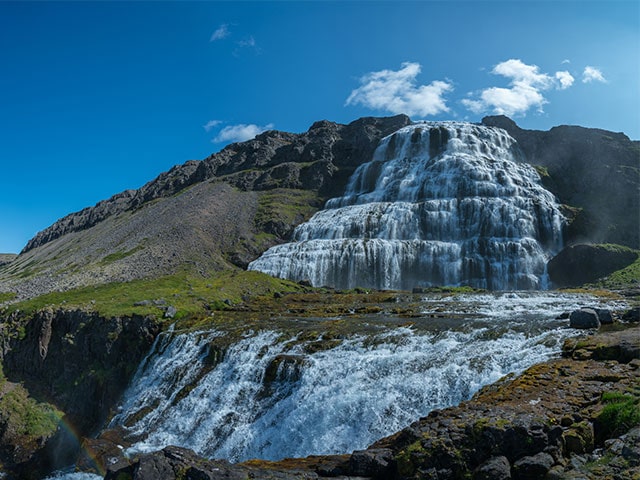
(189, 295)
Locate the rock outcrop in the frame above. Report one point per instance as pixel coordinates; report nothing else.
(78, 361)
(579, 264)
(596, 173)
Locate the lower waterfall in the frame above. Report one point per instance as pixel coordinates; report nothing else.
(440, 203)
(274, 393)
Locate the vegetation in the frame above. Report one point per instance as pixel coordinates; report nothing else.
(285, 207)
(627, 277)
(621, 412)
(120, 255)
(24, 418)
(189, 295)
(6, 296)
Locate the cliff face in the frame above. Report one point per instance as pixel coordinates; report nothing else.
(77, 361)
(594, 172)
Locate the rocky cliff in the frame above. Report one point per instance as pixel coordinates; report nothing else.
(76, 360)
(595, 173)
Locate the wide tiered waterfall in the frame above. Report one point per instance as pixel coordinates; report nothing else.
(440, 203)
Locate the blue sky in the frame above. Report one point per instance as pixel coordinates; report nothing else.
(99, 97)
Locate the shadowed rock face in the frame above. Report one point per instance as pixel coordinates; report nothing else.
(595, 171)
(580, 264)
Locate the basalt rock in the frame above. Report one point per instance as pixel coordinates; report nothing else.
(78, 361)
(575, 161)
(580, 264)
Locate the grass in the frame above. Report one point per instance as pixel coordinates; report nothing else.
(620, 413)
(6, 296)
(190, 295)
(624, 278)
(113, 257)
(287, 206)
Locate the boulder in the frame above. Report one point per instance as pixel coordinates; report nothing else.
(496, 468)
(584, 318)
(604, 315)
(375, 462)
(533, 467)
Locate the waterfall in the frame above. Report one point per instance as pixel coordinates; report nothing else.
(440, 203)
(273, 394)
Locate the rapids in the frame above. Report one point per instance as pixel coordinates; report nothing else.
(440, 203)
(273, 393)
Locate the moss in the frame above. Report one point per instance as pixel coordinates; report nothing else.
(27, 419)
(114, 257)
(6, 296)
(624, 278)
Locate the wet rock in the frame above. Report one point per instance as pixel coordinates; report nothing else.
(533, 467)
(376, 463)
(496, 468)
(632, 315)
(604, 315)
(584, 318)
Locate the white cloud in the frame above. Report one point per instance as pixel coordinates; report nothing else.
(565, 79)
(566, 60)
(211, 124)
(221, 32)
(240, 132)
(592, 74)
(397, 92)
(526, 84)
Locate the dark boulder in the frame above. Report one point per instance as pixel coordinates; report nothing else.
(580, 264)
(375, 462)
(496, 468)
(533, 467)
(584, 318)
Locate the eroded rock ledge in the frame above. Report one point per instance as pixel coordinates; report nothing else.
(561, 419)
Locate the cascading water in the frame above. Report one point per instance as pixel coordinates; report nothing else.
(441, 203)
(272, 394)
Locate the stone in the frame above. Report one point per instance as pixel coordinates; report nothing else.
(374, 462)
(584, 318)
(533, 467)
(170, 312)
(632, 315)
(604, 315)
(496, 468)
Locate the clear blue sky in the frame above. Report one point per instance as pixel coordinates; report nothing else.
(99, 97)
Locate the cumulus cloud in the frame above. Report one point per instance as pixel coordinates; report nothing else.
(221, 32)
(211, 124)
(240, 132)
(565, 79)
(397, 92)
(526, 84)
(592, 74)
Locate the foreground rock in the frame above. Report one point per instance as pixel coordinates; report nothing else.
(571, 417)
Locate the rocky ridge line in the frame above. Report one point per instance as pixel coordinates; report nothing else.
(273, 159)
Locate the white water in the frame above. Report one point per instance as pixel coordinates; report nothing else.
(337, 400)
(441, 203)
